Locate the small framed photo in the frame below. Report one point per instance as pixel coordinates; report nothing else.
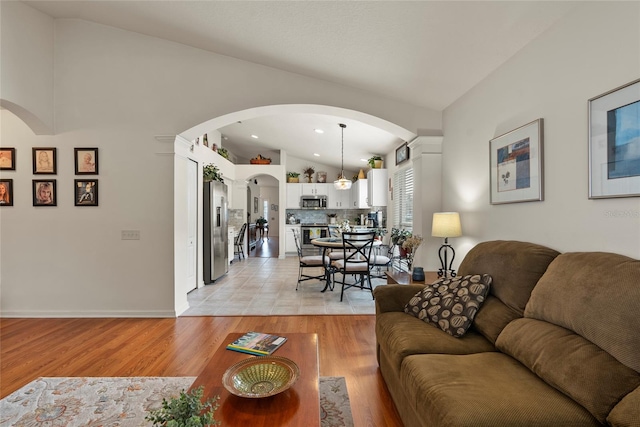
(86, 192)
(516, 165)
(614, 143)
(402, 153)
(7, 159)
(44, 160)
(6, 192)
(86, 161)
(44, 192)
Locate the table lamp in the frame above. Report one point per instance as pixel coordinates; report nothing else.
(446, 224)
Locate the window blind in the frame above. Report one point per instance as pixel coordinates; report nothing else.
(403, 198)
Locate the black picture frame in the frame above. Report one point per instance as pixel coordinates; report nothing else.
(6, 192)
(40, 189)
(44, 161)
(85, 192)
(86, 161)
(402, 153)
(7, 158)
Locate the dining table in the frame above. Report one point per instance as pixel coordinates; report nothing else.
(327, 243)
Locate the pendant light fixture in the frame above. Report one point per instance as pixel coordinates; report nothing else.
(342, 183)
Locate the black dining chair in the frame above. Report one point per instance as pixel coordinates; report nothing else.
(238, 242)
(309, 261)
(357, 248)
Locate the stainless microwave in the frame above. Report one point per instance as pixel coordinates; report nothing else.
(313, 202)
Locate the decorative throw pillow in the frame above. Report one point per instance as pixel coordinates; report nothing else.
(450, 303)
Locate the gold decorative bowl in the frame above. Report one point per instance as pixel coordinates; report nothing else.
(261, 376)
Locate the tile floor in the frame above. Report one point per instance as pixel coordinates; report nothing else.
(267, 286)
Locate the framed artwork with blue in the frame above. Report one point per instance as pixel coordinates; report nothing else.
(614, 143)
(516, 165)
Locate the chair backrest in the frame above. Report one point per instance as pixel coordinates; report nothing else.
(296, 237)
(357, 246)
(240, 235)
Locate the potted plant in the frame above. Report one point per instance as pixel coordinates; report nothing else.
(309, 171)
(332, 217)
(223, 152)
(380, 233)
(260, 222)
(398, 236)
(186, 411)
(411, 245)
(293, 177)
(375, 162)
(211, 172)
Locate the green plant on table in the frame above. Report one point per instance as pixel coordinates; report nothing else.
(398, 236)
(293, 174)
(188, 410)
(223, 152)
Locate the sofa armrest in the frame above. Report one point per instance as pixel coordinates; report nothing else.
(394, 297)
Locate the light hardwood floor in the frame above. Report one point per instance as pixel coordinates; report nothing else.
(31, 348)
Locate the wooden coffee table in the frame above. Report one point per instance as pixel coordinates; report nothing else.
(297, 406)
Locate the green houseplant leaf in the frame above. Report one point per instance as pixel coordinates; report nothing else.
(187, 410)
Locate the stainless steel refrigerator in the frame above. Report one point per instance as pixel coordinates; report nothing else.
(215, 248)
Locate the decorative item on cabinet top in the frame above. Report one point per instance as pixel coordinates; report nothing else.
(260, 160)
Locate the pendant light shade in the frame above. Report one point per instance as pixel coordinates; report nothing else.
(342, 183)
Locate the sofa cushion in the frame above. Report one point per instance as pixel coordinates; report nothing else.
(627, 412)
(570, 363)
(485, 389)
(514, 266)
(450, 303)
(402, 335)
(596, 295)
(493, 317)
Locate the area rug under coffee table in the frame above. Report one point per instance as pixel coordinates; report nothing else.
(124, 401)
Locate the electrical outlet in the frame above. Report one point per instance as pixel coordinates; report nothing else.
(130, 234)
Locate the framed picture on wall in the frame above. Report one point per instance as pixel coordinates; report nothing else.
(255, 205)
(44, 160)
(402, 153)
(516, 165)
(86, 192)
(7, 159)
(6, 192)
(614, 143)
(86, 161)
(44, 192)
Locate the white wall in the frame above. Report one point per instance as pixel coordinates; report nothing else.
(26, 43)
(118, 91)
(594, 49)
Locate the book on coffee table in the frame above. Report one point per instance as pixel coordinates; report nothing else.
(257, 343)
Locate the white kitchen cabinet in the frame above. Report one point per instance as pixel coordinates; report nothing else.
(359, 194)
(315, 189)
(294, 191)
(338, 199)
(289, 242)
(377, 186)
(231, 233)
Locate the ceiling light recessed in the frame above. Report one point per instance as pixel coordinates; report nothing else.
(316, 154)
(364, 160)
(254, 136)
(318, 131)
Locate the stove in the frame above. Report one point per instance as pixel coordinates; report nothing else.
(310, 231)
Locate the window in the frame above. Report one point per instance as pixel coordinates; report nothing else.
(403, 198)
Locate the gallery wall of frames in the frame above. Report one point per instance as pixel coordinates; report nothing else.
(44, 186)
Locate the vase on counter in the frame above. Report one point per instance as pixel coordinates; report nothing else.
(417, 274)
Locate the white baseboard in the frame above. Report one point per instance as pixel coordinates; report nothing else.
(87, 314)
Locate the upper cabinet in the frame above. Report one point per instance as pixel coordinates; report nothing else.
(338, 199)
(359, 194)
(294, 192)
(377, 186)
(315, 189)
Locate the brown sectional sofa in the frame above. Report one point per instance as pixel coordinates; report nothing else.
(556, 343)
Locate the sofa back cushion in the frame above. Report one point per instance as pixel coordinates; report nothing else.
(515, 268)
(596, 295)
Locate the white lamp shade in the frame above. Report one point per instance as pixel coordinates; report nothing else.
(446, 224)
(342, 184)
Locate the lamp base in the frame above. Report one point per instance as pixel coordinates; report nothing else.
(445, 269)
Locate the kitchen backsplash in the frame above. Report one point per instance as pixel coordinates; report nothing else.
(320, 216)
(236, 218)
